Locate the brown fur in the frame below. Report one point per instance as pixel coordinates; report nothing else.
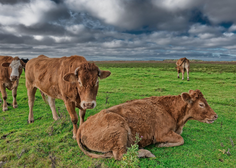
(182, 66)
(157, 119)
(6, 82)
(56, 78)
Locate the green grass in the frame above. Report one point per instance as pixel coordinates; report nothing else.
(47, 142)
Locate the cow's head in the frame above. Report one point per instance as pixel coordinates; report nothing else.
(198, 107)
(178, 69)
(86, 77)
(15, 68)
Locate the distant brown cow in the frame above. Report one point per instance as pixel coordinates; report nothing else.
(157, 119)
(182, 66)
(72, 79)
(10, 71)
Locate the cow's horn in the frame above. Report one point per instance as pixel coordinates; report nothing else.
(99, 72)
(76, 71)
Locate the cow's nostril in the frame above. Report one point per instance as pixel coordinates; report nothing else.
(13, 77)
(92, 105)
(216, 116)
(84, 104)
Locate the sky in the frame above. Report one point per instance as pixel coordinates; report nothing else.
(119, 29)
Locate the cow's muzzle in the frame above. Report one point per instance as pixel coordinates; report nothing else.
(88, 105)
(13, 78)
(210, 121)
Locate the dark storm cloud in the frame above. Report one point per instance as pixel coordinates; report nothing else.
(124, 29)
(14, 1)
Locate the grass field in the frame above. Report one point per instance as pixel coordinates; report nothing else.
(49, 143)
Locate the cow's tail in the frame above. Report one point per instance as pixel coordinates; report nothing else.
(44, 97)
(184, 67)
(92, 155)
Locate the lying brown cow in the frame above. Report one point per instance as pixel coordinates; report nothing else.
(72, 79)
(182, 66)
(157, 119)
(10, 71)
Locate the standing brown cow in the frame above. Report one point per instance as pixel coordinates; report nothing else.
(72, 79)
(157, 119)
(182, 66)
(10, 71)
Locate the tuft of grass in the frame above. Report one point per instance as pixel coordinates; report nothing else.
(130, 159)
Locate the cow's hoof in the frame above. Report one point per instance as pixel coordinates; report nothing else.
(74, 137)
(56, 118)
(188, 80)
(178, 76)
(142, 153)
(5, 109)
(30, 121)
(15, 106)
(182, 79)
(161, 145)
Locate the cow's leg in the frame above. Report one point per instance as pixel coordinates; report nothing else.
(118, 153)
(14, 93)
(81, 115)
(70, 106)
(171, 139)
(183, 74)
(0, 98)
(180, 130)
(188, 73)
(51, 102)
(31, 97)
(4, 97)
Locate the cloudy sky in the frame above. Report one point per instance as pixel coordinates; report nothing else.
(119, 29)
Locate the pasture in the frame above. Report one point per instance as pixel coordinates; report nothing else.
(49, 143)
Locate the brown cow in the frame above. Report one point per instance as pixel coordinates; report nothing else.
(10, 71)
(157, 119)
(72, 79)
(182, 66)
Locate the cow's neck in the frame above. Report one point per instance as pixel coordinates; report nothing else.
(177, 108)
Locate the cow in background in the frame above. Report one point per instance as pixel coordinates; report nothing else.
(72, 79)
(25, 61)
(156, 119)
(182, 66)
(10, 71)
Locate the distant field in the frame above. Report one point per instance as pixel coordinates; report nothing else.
(47, 142)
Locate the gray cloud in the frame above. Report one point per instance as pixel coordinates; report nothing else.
(125, 29)
(13, 1)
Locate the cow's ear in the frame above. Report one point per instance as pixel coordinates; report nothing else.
(186, 97)
(104, 74)
(70, 77)
(22, 63)
(5, 64)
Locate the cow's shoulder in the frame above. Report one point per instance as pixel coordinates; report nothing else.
(72, 62)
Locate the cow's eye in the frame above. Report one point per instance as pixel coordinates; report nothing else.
(79, 82)
(202, 105)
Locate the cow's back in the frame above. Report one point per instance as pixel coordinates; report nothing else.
(47, 74)
(4, 71)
